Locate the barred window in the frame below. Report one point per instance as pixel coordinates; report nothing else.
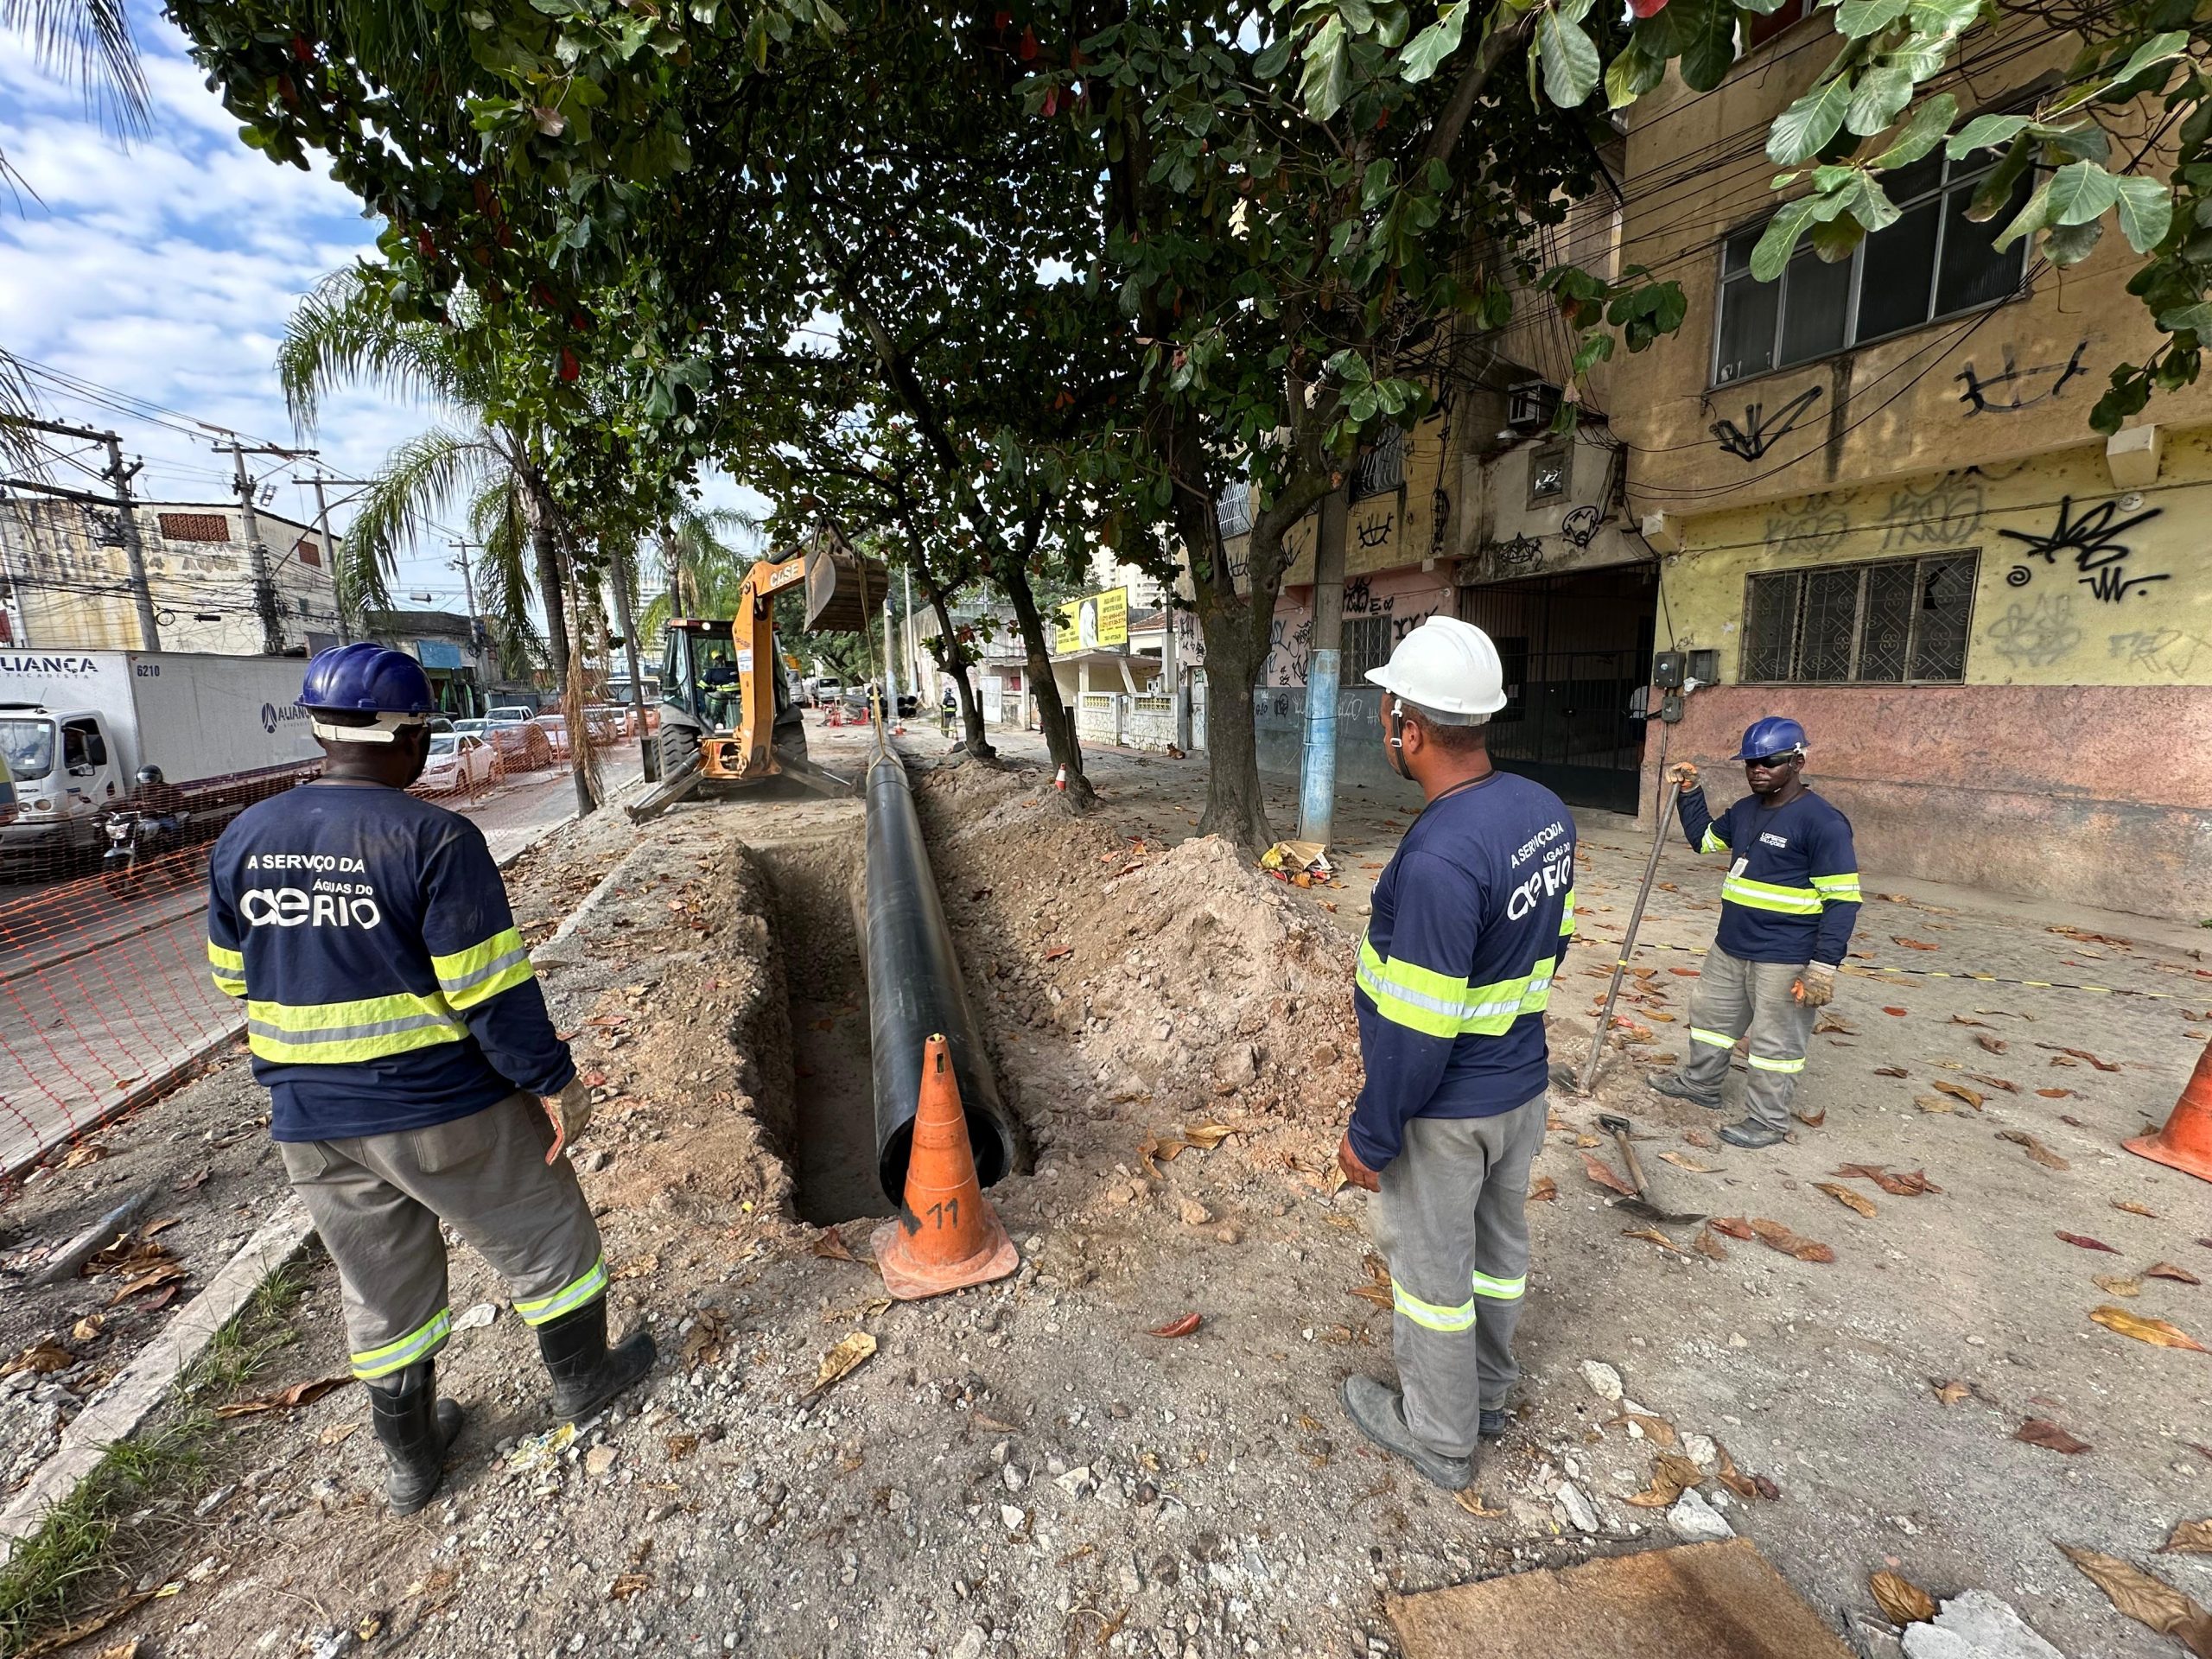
(194, 526)
(309, 552)
(1367, 644)
(1232, 510)
(1884, 622)
(1382, 468)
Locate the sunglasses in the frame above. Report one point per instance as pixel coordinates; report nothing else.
(1788, 757)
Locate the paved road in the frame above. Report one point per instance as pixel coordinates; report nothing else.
(100, 996)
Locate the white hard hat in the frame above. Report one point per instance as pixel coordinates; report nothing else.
(1448, 669)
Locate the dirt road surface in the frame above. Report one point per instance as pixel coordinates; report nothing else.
(1022, 1469)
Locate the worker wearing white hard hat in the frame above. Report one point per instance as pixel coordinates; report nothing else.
(1468, 926)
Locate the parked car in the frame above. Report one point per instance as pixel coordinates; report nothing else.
(459, 764)
(520, 738)
(555, 728)
(512, 714)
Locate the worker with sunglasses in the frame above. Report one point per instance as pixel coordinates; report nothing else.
(1787, 908)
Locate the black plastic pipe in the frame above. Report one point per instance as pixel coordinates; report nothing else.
(915, 991)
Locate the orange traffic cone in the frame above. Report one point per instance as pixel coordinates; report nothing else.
(2186, 1141)
(1060, 780)
(946, 1235)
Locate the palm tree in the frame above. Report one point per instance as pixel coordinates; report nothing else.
(490, 469)
(88, 41)
(704, 570)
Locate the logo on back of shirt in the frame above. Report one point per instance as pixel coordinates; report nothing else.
(327, 903)
(1770, 839)
(1555, 877)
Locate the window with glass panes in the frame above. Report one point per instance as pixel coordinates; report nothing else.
(1886, 621)
(1934, 262)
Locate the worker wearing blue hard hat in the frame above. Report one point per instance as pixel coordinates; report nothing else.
(1788, 904)
(414, 1073)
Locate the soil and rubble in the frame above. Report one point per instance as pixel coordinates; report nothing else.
(1024, 1469)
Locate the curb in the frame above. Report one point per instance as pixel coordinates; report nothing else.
(146, 1380)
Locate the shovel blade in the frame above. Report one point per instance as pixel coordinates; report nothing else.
(1644, 1211)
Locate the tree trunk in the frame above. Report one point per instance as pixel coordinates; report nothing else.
(1059, 735)
(1235, 807)
(951, 659)
(552, 590)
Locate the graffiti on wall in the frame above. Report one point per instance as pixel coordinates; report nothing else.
(2012, 388)
(1520, 551)
(2036, 635)
(2160, 650)
(1810, 527)
(1761, 431)
(1580, 526)
(1373, 527)
(2100, 556)
(1945, 514)
(1439, 501)
(1287, 650)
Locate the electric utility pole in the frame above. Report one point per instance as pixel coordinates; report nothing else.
(264, 578)
(150, 633)
(330, 549)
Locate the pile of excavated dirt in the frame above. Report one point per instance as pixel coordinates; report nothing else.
(1184, 976)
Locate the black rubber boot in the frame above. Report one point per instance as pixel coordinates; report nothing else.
(416, 1426)
(586, 1373)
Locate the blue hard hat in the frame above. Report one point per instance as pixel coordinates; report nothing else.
(366, 679)
(1776, 734)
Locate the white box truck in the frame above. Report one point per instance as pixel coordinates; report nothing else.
(77, 726)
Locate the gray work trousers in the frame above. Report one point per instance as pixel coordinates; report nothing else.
(378, 1200)
(1451, 1221)
(1734, 996)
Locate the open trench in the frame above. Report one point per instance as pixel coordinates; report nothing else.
(866, 976)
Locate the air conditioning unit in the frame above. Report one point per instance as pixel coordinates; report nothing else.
(1530, 404)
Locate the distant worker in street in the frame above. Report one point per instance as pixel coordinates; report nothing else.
(1468, 926)
(1787, 908)
(948, 706)
(413, 1072)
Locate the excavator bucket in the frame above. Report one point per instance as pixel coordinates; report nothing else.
(843, 589)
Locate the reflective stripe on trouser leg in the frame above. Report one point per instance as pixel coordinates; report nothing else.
(1450, 1220)
(1781, 1026)
(1720, 1012)
(543, 1310)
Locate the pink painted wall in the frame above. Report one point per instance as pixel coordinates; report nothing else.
(2101, 793)
(1408, 596)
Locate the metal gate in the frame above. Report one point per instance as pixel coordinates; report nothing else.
(1575, 649)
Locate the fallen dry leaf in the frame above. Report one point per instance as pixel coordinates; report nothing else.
(88, 1327)
(1849, 1199)
(628, 1585)
(702, 1343)
(1207, 1136)
(1891, 1072)
(1896, 1012)
(1913, 944)
(1828, 1023)
(1706, 1245)
(41, 1358)
(846, 1356)
(167, 1274)
(2134, 1208)
(2169, 1270)
(681, 1446)
(336, 1432)
(829, 1244)
(1960, 1092)
(1951, 1393)
(1064, 950)
(1471, 1501)
(1734, 1226)
(2034, 1148)
(1746, 1487)
(2004, 1083)
(1775, 1237)
(2115, 1284)
(2080, 1054)
(1601, 1173)
(1960, 1019)
(2041, 1431)
(1672, 1475)
(1700, 1139)
(1542, 1190)
(300, 1394)
(1681, 1160)
(2191, 1538)
(2156, 1332)
(1994, 1045)
(2056, 1093)
(1652, 1235)
(1810, 1120)
(154, 1228)
(1658, 1430)
(1181, 1327)
(1934, 1103)
(2146, 1599)
(1901, 1600)
(1911, 1185)
(2082, 1240)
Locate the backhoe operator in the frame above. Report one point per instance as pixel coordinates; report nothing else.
(413, 1072)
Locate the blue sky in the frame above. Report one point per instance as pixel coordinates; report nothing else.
(164, 270)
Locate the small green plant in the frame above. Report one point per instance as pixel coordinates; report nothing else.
(122, 1512)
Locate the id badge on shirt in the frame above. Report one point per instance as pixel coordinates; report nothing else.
(1742, 864)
